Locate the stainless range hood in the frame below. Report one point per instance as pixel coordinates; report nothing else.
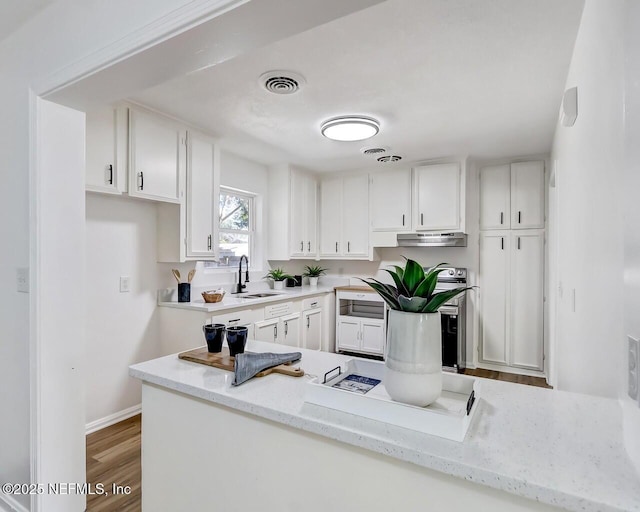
(432, 240)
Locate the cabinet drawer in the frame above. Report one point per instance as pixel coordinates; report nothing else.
(243, 317)
(371, 296)
(312, 303)
(276, 310)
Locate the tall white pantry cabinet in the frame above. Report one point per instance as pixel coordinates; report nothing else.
(512, 242)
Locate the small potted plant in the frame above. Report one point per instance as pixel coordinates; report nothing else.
(313, 273)
(278, 275)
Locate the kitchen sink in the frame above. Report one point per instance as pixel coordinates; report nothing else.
(260, 295)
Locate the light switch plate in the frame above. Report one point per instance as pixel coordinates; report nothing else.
(125, 284)
(22, 279)
(633, 373)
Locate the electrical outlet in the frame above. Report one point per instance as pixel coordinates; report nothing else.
(22, 279)
(125, 284)
(634, 362)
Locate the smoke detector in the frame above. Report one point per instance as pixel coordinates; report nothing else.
(389, 158)
(373, 151)
(281, 82)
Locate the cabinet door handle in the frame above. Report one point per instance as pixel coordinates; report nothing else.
(518, 242)
(234, 320)
(286, 328)
(141, 181)
(336, 247)
(275, 332)
(209, 243)
(301, 246)
(403, 219)
(309, 246)
(501, 217)
(348, 246)
(502, 243)
(308, 321)
(519, 217)
(422, 219)
(110, 180)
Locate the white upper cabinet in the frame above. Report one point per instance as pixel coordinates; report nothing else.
(344, 217)
(512, 196)
(331, 218)
(355, 216)
(495, 197)
(106, 150)
(527, 195)
(293, 214)
(437, 205)
(156, 157)
(303, 222)
(390, 200)
(203, 191)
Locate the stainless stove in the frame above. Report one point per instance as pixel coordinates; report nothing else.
(454, 320)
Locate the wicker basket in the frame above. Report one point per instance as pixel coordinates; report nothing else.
(211, 297)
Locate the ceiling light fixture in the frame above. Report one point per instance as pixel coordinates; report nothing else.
(350, 128)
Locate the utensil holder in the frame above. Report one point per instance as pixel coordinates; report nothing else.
(184, 292)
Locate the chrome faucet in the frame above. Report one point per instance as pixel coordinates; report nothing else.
(240, 286)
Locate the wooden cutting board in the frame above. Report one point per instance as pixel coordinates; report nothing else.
(224, 361)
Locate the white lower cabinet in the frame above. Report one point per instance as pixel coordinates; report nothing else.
(284, 330)
(512, 298)
(361, 320)
(312, 329)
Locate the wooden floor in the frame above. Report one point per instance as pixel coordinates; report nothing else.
(509, 377)
(113, 457)
(113, 454)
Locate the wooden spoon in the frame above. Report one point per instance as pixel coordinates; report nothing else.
(192, 273)
(176, 274)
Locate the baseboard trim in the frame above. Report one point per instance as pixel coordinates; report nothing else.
(112, 419)
(9, 501)
(510, 369)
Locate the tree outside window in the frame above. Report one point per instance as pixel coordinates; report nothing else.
(235, 228)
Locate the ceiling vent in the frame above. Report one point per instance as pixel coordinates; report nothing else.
(282, 82)
(389, 158)
(374, 151)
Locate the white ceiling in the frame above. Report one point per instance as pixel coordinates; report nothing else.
(14, 13)
(444, 77)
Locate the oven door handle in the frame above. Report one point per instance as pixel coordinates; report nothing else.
(449, 310)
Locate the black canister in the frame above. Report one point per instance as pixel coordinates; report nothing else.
(214, 334)
(236, 339)
(298, 280)
(184, 292)
(291, 282)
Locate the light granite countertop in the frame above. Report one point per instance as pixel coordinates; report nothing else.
(559, 448)
(239, 301)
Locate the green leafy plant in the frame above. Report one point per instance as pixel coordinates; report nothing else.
(414, 288)
(278, 274)
(314, 271)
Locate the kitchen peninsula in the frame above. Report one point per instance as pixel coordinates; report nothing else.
(259, 445)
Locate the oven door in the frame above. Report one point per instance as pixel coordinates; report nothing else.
(449, 319)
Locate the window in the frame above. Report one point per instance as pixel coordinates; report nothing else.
(235, 214)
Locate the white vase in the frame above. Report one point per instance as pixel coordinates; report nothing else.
(278, 285)
(413, 362)
(313, 281)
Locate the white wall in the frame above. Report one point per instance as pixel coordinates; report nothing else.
(121, 328)
(588, 214)
(29, 55)
(630, 409)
